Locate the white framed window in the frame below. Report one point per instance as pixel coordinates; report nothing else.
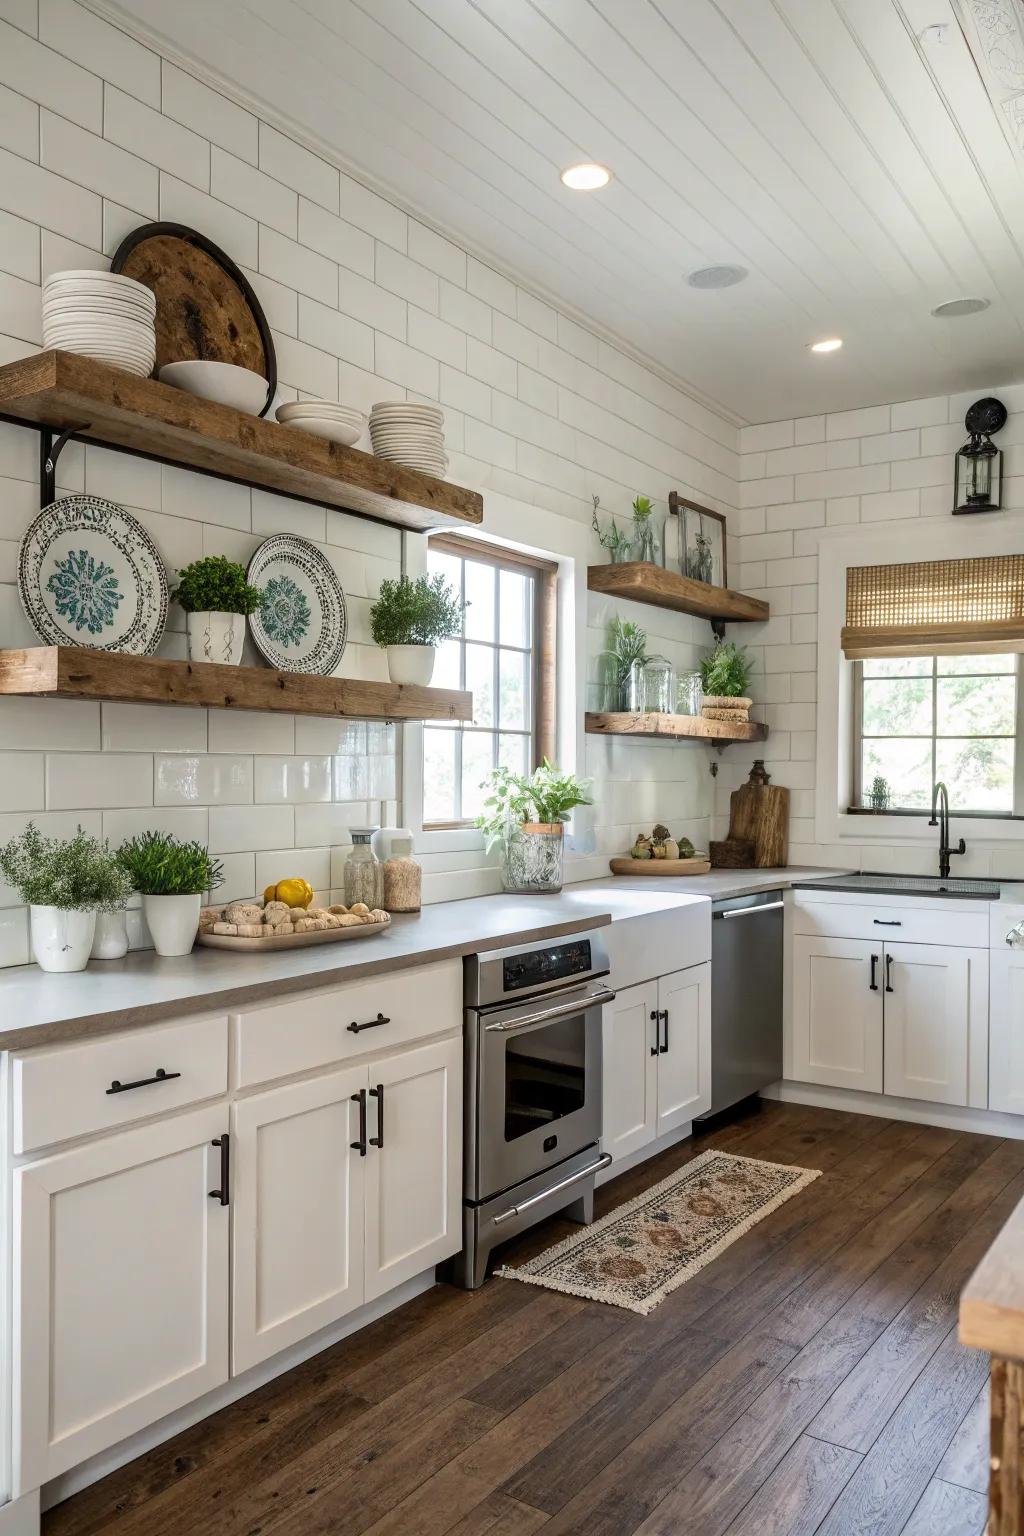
(954, 718)
(505, 656)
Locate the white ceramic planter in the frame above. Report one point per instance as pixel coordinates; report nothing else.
(111, 941)
(61, 940)
(216, 636)
(173, 922)
(411, 663)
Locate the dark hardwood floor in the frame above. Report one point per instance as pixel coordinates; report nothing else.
(809, 1380)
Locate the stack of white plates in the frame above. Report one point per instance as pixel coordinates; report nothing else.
(324, 418)
(410, 434)
(101, 315)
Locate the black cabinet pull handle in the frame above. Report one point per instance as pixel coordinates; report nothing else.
(360, 1145)
(160, 1076)
(874, 974)
(664, 1019)
(224, 1193)
(881, 922)
(355, 1028)
(378, 1094)
(656, 1021)
(888, 973)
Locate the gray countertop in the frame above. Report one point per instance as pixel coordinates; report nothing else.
(37, 1008)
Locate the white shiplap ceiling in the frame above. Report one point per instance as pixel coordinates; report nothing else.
(846, 152)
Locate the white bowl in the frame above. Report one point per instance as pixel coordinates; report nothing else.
(297, 410)
(345, 433)
(225, 383)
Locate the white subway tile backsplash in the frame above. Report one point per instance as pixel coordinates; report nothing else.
(22, 784)
(373, 306)
(234, 231)
(410, 368)
(242, 186)
(239, 882)
(298, 168)
(23, 14)
(203, 779)
(238, 828)
(249, 731)
(19, 124)
(279, 514)
(491, 286)
(19, 309)
(437, 338)
(292, 780)
(296, 267)
(44, 198)
(36, 71)
(122, 477)
(14, 945)
(406, 278)
(860, 423)
(19, 247)
(190, 824)
(128, 122)
(366, 210)
(306, 368)
(60, 255)
(148, 728)
(95, 163)
(324, 826)
(101, 47)
(63, 725)
(208, 113)
(434, 251)
(76, 780)
(919, 413)
(890, 446)
(767, 436)
(465, 394)
(809, 429)
(335, 333)
(289, 862)
(490, 366)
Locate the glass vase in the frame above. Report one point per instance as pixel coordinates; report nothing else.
(646, 540)
(533, 859)
(658, 687)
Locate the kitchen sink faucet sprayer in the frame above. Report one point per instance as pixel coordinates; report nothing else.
(940, 801)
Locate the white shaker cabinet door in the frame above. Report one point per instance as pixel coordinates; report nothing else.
(120, 1289)
(630, 1070)
(297, 1234)
(414, 1165)
(684, 1047)
(928, 997)
(1006, 1030)
(837, 1012)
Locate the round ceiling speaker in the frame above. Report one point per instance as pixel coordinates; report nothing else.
(954, 308)
(717, 277)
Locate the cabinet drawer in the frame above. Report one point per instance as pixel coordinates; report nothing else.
(315, 1029)
(939, 923)
(64, 1091)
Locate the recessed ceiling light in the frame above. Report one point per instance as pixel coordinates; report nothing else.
(724, 276)
(587, 177)
(830, 344)
(954, 308)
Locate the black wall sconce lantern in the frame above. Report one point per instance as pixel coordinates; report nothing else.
(977, 483)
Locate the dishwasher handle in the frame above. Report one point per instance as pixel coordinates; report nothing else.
(766, 906)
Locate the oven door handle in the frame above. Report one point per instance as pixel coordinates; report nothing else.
(574, 1178)
(580, 1005)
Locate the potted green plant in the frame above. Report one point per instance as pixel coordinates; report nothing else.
(526, 815)
(879, 795)
(171, 877)
(64, 882)
(217, 600)
(627, 651)
(409, 620)
(725, 677)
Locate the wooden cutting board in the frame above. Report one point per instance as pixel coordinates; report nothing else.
(759, 814)
(628, 866)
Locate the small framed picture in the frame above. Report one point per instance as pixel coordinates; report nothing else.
(701, 541)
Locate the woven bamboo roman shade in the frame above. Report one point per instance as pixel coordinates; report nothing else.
(935, 607)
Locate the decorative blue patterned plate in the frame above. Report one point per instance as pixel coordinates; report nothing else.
(302, 625)
(89, 574)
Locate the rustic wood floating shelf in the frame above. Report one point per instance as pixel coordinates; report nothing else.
(61, 392)
(642, 582)
(70, 672)
(720, 733)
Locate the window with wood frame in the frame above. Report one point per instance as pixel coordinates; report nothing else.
(505, 657)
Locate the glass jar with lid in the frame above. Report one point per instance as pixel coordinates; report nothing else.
(658, 686)
(363, 872)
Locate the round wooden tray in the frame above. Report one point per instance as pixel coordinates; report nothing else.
(206, 309)
(628, 866)
(294, 941)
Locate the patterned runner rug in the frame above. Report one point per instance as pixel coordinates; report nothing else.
(636, 1255)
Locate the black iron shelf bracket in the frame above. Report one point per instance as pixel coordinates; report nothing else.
(718, 628)
(50, 449)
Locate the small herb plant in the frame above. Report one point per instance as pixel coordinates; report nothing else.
(618, 544)
(218, 585)
(160, 865)
(642, 508)
(726, 672)
(546, 795)
(421, 612)
(627, 643)
(78, 874)
(879, 794)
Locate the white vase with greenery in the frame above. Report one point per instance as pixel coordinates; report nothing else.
(526, 816)
(64, 882)
(409, 620)
(217, 600)
(172, 878)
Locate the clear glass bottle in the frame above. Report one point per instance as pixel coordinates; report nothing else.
(658, 686)
(646, 540)
(689, 693)
(363, 873)
(634, 688)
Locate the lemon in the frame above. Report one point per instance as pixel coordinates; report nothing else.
(294, 893)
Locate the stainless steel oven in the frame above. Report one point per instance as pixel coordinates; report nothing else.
(533, 1089)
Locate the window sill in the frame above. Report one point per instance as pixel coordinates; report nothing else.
(906, 811)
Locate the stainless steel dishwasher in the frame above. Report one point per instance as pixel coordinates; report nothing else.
(746, 997)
